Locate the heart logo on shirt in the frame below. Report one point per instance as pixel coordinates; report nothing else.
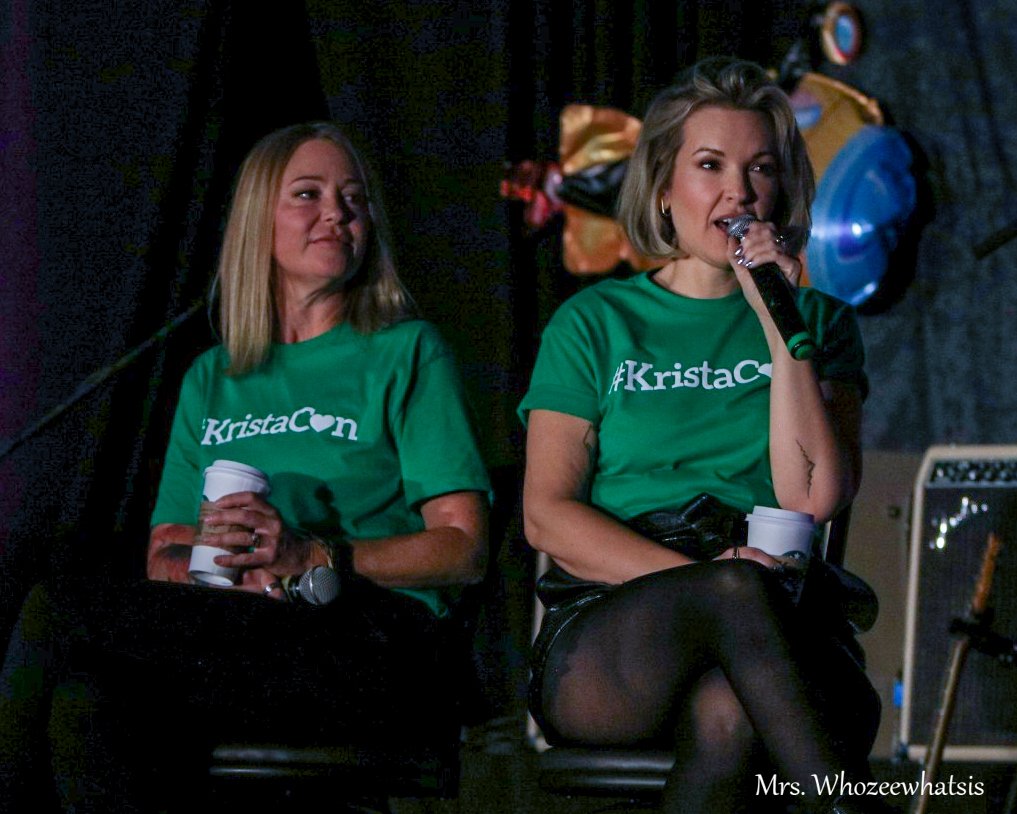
(321, 422)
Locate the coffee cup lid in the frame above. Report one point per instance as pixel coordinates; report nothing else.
(236, 466)
(772, 513)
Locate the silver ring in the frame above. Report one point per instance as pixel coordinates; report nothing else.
(271, 587)
(779, 239)
(255, 539)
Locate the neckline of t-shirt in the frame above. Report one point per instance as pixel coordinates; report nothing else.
(673, 300)
(321, 340)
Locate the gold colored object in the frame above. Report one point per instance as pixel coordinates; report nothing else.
(594, 244)
(844, 111)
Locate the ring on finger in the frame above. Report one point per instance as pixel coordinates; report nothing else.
(255, 540)
(271, 587)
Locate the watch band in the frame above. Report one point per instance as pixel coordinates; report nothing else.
(339, 554)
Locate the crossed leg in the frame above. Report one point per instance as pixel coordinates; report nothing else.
(712, 660)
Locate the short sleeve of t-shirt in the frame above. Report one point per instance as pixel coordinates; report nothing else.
(180, 485)
(437, 447)
(566, 374)
(840, 354)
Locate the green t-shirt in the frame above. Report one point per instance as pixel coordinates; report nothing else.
(354, 432)
(678, 389)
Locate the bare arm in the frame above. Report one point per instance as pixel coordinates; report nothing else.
(169, 552)
(451, 550)
(815, 448)
(560, 454)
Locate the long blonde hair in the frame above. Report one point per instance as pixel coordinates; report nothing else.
(720, 82)
(373, 298)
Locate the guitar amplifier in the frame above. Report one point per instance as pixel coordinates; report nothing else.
(961, 495)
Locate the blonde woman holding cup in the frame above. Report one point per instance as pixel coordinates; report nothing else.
(351, 407)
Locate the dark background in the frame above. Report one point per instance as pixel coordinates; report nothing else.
(122, 123)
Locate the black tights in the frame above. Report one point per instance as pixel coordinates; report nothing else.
(712, 660)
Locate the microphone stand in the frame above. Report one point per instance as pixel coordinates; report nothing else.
(98, 377)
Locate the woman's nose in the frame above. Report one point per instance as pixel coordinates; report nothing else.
(335, 210)
(739, 188)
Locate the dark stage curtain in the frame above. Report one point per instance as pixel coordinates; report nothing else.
(128, 123)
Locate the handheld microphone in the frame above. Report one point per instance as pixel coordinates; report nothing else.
(319, 586)
(777, 297)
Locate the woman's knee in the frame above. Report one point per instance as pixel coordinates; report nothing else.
(743, 582)
(716, 725)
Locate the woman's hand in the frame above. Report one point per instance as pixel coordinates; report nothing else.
(265, 541)
(451, 550)
(761, 243)
(262, 582)
(745, 552)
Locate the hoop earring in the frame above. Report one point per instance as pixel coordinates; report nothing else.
(664, 212)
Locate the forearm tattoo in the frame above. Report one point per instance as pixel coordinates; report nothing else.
(809, 467)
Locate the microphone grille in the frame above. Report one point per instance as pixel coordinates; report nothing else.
(319, 586)
(736, 226)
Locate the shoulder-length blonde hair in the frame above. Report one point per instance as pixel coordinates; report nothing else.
(373, 298)
(720, 82)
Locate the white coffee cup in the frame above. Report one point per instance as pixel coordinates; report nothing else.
(204, 569)
(221, 478)
(781, 533)
(229, 477)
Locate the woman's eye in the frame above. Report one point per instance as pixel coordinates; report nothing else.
(355, 198)
(306, 194)
(769, 170)
(709, 165)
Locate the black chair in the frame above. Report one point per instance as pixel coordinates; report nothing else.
(362, 779)
(347, 775)
(365, 778)
(636, 775)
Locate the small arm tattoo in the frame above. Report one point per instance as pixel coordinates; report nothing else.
(809, 468)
